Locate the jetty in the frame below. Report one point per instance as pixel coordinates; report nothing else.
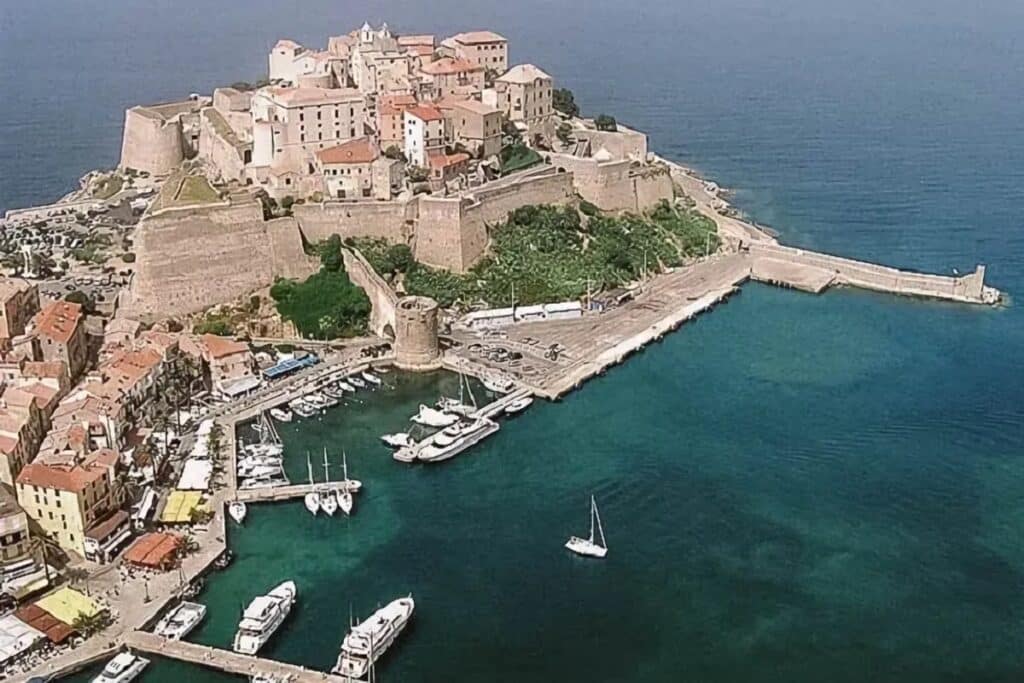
(225, 660)
(272, 494)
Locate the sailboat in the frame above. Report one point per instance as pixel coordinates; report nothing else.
(311, 500)
(328, 501)
(587, 546)
(343, 494)
(459, 406)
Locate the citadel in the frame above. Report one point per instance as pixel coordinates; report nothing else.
(397, 137)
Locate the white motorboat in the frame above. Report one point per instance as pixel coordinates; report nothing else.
(455, 407)
(346, 387)
(518, 405)
(122, 668)
(357, 382)
(405, 454)
(302, 408)
(456, 439)
(591, 546)
(371, 378)
(343, 495)
(258, 471)
(498, 385)
(432, 417)
(368, 640)
(237, 510)
(334, 391)
(317, 400)
(262, 618)
(180, 621)
(281, 414)
(398, 440)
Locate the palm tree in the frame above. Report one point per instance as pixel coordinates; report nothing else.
(76, 574)
(91, 624)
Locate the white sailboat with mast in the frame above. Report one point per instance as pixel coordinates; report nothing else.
(344, 494)
(592, 546)
(328, 501)
(311, 500)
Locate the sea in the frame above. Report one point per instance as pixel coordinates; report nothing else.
(793, 487)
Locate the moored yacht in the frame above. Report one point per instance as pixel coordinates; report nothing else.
(371, 378)
(368, 640)
(456, 439)
(498, 385)
(122, 668)
(237, 510)
(518, 405)
(357, 382)
(180, 621)
(346, 387)
(398, 440)
(302, 408)
(262, 618)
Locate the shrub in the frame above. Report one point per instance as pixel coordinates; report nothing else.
(564, 101)
(605, 122)
(128, 257)
(324, 306)
(588, 209)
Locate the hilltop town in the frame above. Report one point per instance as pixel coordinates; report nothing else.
(148, 312)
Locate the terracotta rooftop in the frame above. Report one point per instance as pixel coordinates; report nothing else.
(45, 369)
(448, 65)
(219, 347)
(358, 151)
(102, 529)
(18, 399)
(59, 320)
(446, 160)
(395, 104)
(301, 97)
(469, 104)
(13, 285)
(287, 44)
(477, 37)
(425, 112)
(422, 39)
(73, 477)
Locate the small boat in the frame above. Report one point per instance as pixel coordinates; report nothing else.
(302, 408)
(346, 387)
(432, 417)
(318, 401)
(456, 439)
(122, 668)
(281, 414)
(334, 391)
(371, 378)
(343, 494)
(224, 560)
(455, 407)
(405, 454)
(498, 385)
(356, 382)
(325, 494)
(262, 618)
(382, 370)
(398, 440)
(237, 510)
(518, 405)
(370, 639)
(590, 547)
(180, 621)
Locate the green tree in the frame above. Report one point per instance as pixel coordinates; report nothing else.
(88, 625)
(400, 258)
(564, 101)
(330, 253)
(394, 152)
(83, 299)
(606, 122)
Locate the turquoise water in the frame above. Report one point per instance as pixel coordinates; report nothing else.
(794, 488)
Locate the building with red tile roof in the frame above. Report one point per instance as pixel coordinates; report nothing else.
(449, 76)
(19, 301)
(60, 330)
(485, 48)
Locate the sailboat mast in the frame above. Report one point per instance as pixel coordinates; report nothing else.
(591, 519)
(600, 529)
(344, 465)
(309, 468)
(327, 478)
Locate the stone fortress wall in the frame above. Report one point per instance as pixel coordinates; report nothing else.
(189, 260)
(155, 139)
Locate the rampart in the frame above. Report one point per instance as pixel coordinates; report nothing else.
(220, 146)
(189, 260)
(151, 143)
(382, 298)
(618, 185)
(391, 221)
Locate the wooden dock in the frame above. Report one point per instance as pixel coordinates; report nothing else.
(269, 494)
(223, 660)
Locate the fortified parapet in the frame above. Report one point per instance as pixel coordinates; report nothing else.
(416, 344)
(152, 142)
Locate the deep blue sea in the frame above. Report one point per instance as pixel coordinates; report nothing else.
(794, 488)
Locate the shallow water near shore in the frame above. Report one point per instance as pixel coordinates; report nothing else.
(794, 488)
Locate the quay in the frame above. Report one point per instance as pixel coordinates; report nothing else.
(224, 660)
(272, 494)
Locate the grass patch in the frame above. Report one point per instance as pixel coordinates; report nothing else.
(551, 253)
(387, 259)
(517, 157)
(108, 186)
(196, 189)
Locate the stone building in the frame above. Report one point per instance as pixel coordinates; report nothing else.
(473, 124)
(378, 64)
(68, 497)
(19, 301)
(15, 539)
(292, 64)
(22, 426)
(60, 331)
(356, 169)
(390, 110)
(416, 343)
(484, 48)
(420, 48)
(424, 133)
(307, 119)
(524, 94)
(449, 77)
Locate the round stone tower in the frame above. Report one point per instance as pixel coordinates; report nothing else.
(416, 333)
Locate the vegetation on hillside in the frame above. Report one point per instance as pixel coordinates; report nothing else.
(605, 122)
(387, 259)
(327, 304)
(564, 101)
(551, 253)
(517, 156)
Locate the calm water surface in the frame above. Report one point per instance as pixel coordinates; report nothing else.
(794, 488)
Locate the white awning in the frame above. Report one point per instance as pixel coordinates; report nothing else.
(16, 637)
(195, 476)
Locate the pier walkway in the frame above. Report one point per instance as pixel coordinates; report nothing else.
(270, 494)
(223, 660)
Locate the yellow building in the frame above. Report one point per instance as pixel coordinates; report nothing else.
(68, 498)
